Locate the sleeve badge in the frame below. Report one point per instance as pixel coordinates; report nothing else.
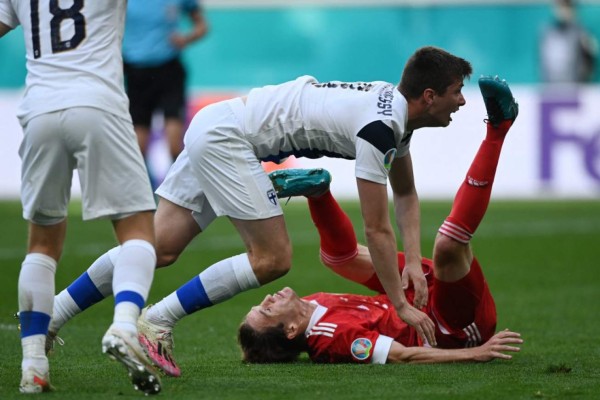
(361, 348)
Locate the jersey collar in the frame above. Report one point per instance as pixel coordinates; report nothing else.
(316, 316)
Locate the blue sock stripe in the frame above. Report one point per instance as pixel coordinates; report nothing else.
(130, 296)
(84, 292)
(33, 323)
(192, 296)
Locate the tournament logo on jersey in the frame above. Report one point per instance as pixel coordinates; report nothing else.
(272, 196)
(388, 158)
(361, 348)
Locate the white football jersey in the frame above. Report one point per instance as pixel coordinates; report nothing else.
(364, 121)
(73, 54)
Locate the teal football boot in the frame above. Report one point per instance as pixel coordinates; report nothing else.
(499, 101)
(312, 182)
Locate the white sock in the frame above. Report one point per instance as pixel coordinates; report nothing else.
(34, 354)
(36, 283)
(101, 275)
(167, 311)
(102, 270)
(228, 277)
(221, 281)
(65, 308)
(126, 315)
(36, 295)
(132, 278)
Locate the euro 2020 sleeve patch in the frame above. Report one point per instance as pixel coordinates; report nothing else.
(361, 348)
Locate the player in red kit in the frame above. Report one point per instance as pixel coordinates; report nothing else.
(334, 328)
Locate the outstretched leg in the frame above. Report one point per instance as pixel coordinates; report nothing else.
(452, 253)
(453, 257)
(175, 227)
(339, 249)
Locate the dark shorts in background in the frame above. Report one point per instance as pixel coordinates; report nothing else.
(155, 88)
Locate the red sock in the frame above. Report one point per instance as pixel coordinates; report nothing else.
(473, 196)
(338, 240)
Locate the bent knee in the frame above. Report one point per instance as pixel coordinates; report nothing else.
(451, 259)
(272, 265)
(164, 258)
(447, 248)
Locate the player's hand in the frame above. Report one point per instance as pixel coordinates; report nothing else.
(414, 273)
(420, 321)
(498, 344)
(179, 41)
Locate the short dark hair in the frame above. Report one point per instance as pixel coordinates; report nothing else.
(432, 68)
(270, 345)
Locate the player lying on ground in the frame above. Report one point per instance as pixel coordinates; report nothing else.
(334, 328)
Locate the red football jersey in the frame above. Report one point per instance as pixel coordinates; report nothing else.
(355, 328)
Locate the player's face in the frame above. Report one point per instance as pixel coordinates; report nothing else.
(275, 309)
(444, 105)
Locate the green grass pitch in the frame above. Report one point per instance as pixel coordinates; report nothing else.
(541, 259)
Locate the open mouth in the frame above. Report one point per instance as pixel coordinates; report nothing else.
(450, 116)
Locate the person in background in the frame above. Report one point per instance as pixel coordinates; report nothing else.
(74, 116)
(155, 76)
(568, 52)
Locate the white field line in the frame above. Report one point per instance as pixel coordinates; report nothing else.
(9, 327)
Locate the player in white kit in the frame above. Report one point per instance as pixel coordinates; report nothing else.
(219, 173)
(74, 115)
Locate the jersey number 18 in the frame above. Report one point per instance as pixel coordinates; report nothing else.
(58, 16)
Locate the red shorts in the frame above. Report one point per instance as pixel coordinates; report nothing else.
(464, 311)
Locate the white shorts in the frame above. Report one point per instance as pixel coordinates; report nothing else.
(218, 172)
(104, 150)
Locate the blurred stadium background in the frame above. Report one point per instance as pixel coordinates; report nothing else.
(553, 151)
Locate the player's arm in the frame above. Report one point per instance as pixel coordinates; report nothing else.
(199, 29)
(496, 347)
(380, 237)
(408, 219)
(381, 241)
(4, 29)
(199, 26)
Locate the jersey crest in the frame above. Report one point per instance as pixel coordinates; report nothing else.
(272, 196)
